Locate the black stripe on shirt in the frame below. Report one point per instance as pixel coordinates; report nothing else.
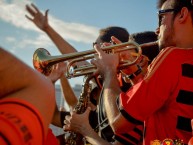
(184, 124)
(187, 70)
(132, 138)
(185, 97)
(5, 139)
(123, 141)
(130, 118)
(138, 131)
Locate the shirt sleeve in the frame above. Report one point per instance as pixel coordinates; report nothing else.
(147, 96)
(132, 137)
(21, 123)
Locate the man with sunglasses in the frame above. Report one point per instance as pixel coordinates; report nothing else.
(163, 99)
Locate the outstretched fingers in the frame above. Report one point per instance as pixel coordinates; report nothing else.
(30, 10)
(37, 10)
(28, 18)
(46, 13)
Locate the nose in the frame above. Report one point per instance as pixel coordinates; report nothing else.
(157, 31)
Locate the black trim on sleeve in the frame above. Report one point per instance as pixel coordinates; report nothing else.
(133, 75)
(184, 124)
(132, 138)
(187, 70)
(185, 97)
(126, 115)
(121, 140)
(130, 118)
(5, 139)
(138, 131)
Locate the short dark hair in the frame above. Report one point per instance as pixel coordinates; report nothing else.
(145, 37)
(119, 32)
(178, 5)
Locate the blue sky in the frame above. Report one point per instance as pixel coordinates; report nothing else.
(77, 21)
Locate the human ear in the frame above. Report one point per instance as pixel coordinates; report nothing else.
(183, 15)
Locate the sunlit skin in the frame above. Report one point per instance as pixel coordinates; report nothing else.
(165, 32)
(172, 32)
(123, 56)
(41, 21)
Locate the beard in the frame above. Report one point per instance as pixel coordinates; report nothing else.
(166, 39)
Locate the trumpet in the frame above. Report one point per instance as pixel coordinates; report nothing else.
(43, 61)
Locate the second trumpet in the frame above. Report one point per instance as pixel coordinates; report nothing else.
(43, 61)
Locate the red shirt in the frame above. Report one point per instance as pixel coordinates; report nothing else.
(51, 138)
(20, 123)
(164, 99)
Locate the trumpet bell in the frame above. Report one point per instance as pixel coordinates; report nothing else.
(40, 63)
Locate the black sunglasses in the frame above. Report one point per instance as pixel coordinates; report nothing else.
(161, 12)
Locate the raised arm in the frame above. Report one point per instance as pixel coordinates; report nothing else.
(69, 96)
(68, 93)
(58, 73)
(41, 21)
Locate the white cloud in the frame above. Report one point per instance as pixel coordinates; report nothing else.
(40, 41)
(23, 46)
(75, 31)
(26, 43)
(10, 39)
(14, 13)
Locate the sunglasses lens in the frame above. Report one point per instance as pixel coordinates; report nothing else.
(160, 19)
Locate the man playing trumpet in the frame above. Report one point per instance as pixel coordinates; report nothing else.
(163, 98)
(55, 37)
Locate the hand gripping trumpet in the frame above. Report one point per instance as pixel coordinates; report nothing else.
(43, 61)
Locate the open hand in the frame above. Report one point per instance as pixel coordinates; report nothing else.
(40, 20)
